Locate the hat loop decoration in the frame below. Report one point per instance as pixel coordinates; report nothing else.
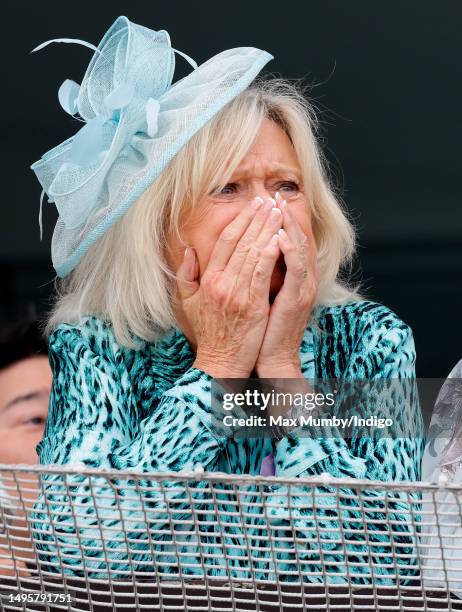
(135, 121)
(91, 146)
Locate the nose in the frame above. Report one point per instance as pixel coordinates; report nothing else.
(261, 191)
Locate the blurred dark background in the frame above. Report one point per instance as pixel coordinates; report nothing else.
(385, 77)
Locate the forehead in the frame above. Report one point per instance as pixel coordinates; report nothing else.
(23, 377)
(271, 151)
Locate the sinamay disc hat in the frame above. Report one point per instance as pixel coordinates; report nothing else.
(135, 121)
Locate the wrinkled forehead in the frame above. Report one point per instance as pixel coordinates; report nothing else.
(264, 167)
(270, 153)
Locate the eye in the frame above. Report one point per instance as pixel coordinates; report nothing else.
(290, 185)
(228, 189)
(35, 421)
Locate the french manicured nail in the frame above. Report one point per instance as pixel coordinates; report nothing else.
(283, 234)
(256, 202)
(282, 203)
(275, 213)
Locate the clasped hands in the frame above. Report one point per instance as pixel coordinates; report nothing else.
(236, 328)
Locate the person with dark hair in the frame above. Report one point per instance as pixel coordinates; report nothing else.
(25, 384)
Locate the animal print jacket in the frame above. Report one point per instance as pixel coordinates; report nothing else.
(148, 410)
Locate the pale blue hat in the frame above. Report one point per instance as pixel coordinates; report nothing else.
(135, 123)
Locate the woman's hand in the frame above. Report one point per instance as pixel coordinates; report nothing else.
(290, 312)
(228, 310)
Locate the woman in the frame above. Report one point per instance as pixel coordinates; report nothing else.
(226, 265)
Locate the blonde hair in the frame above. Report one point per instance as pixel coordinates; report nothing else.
(124, 277)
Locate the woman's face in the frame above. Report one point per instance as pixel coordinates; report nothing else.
(271, 165)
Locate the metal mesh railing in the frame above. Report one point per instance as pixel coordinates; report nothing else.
(76, 538)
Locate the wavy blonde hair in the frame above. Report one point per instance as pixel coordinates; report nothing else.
(124, 277)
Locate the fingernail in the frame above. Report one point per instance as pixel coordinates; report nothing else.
(283, 204)
(277, 195)
(185, 252)
(282, 233)
(275, 212)
(274, 239)
(256, 202)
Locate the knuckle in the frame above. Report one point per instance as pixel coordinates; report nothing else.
(260, 273)
(235, 306)
(228, 235)
(244, 243)
(242, 249)
(218, 292)
(254, 252)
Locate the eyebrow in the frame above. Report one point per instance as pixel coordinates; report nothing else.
(26, 397)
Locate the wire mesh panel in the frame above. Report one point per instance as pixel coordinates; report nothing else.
(83, 539)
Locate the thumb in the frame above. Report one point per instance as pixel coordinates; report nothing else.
(187, 273)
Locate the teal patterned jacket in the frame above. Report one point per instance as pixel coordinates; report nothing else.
(148, 410)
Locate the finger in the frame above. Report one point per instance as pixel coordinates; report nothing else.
(291, 225)
(261, 277)
(187, 273)
(250, 237)
(306, 248)
(272, 225)
(300, 274)
(230, 236)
